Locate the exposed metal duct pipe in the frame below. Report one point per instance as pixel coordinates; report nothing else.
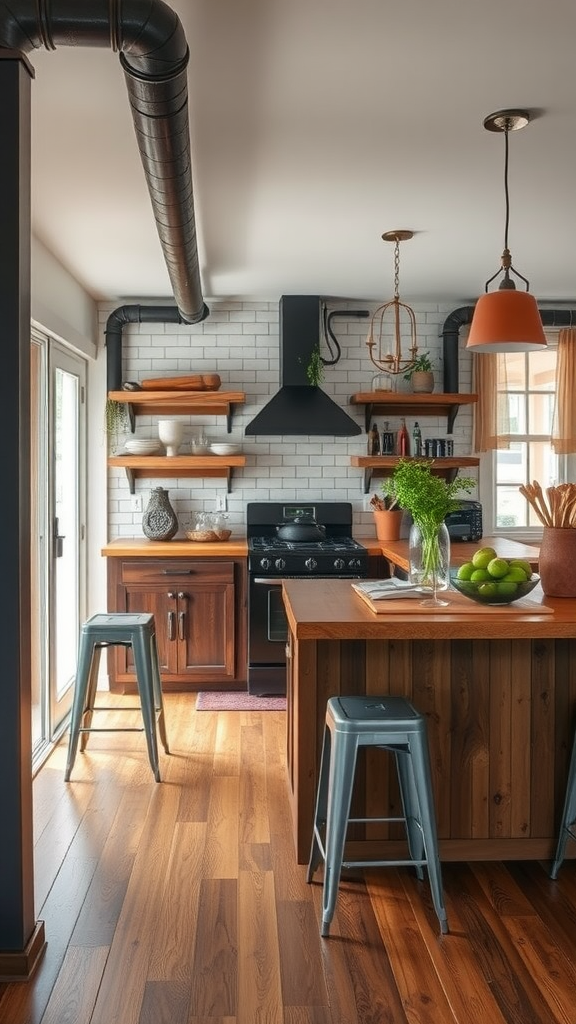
(130, 314)
(154, 55)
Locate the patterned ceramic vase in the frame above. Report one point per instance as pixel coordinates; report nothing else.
(159, 521)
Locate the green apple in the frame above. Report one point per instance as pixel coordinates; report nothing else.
(516, 574)
(498, 567)
(488, 590)
(506, 588)
(465, 571)
(480, 576)
(522, 564)
(482, 557)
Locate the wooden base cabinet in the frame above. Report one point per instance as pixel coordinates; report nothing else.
(199, 607)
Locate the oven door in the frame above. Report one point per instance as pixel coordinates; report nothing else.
(267, 637)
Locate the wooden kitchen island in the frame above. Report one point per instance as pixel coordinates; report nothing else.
(498, 688)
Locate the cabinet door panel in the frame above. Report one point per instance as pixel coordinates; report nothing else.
(164, 609)
(206, 635)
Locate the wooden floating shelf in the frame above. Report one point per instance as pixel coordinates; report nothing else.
(410, 404)
(177, 465)
(383, 465)
(194, 403)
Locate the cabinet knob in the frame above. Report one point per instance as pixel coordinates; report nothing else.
(171, 594)
(182, 596)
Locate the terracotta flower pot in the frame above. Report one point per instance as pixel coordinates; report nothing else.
(557, 562)
(388, 523)
(422, 381)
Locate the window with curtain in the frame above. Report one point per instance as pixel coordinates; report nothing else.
(525, 420)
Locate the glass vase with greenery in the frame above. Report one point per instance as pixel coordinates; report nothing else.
(428, 498)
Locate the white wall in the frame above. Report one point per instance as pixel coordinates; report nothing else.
(60, 304)
(239, 341)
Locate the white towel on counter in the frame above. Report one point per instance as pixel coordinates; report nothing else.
(387, 590)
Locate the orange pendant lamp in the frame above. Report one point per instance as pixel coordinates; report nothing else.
(506, 320)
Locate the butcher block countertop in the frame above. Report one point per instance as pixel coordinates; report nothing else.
(140, 547)
(396, 551)
(331, 610)
(235, 547)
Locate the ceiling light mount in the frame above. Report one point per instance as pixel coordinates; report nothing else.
(506, 320)
(394, 362)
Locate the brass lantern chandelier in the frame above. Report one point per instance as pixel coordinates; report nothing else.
(506, 320)
(393, 362)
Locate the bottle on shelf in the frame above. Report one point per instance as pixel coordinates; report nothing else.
(373, 441)
(417, 440)
(403, 439)
(387, 446)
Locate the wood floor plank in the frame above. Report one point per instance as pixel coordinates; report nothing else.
(165, 1001)
(298, 938)
(259, 981)
(221, 850)
(227, 744)
(172, 950)
(254, 825)
(215, 966)
(73, 996)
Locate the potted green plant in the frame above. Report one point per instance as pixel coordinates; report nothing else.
(421, 374)
(428, 498)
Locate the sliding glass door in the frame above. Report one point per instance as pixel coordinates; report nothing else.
(58, 528)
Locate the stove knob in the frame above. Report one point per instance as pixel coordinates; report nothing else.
(339, 563)
(354, 563)
(311, 564)
(280, 563)
(265, 563)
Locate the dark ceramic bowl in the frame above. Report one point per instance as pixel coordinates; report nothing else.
(493, 591)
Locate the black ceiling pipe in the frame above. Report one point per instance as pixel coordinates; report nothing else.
(130, 314)
(460, 317)
(154, 55)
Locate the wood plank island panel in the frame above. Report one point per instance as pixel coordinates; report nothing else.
(500, 712)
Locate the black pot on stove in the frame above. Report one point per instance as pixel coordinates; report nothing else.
(301, 529)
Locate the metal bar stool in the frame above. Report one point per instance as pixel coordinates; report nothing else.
(123, 629)
(393, 724)
(568, 824)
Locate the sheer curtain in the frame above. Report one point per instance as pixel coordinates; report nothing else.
(491, 418)
(564, 423)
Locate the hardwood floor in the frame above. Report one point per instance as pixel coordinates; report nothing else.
(181, 903)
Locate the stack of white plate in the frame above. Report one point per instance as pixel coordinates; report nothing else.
(143, 446)
(225, 449)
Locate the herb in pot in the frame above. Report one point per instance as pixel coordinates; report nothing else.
(422, 364)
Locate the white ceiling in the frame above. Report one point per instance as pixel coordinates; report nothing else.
(316, 125)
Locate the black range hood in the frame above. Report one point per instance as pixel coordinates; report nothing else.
(300, 407)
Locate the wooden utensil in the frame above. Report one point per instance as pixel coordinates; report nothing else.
(191, 382)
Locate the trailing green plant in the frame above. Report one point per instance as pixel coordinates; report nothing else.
(116, 420)
(315, 368)
(422, 364)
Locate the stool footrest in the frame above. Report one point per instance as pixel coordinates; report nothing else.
(112, 728)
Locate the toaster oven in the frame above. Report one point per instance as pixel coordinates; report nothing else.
(466, 522)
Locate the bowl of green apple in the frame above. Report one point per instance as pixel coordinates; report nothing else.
(490, 579)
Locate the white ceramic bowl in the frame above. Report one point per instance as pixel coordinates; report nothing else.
(225, 449)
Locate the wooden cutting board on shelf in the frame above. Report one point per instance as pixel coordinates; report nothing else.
(192, 382)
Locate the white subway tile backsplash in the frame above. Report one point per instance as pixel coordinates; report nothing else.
(239, 341)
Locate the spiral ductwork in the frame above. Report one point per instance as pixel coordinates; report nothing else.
(154, 56)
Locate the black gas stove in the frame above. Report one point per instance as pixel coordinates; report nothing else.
(272, 558)
(337, 554)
